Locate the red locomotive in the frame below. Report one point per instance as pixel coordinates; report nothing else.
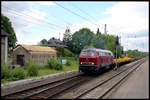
(95, 60)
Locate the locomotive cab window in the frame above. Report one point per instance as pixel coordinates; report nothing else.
(83, 53)
(91, 53)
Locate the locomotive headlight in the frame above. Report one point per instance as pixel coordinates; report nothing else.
(92, 63)
(81, 63)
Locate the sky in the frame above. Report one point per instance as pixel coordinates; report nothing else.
(37, 20)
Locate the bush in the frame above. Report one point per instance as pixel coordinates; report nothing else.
(63, 52)
(32, 68)
(54, 64)
(5, 72)
(68, 63)
(19, 73)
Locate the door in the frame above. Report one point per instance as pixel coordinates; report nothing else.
(20, 60)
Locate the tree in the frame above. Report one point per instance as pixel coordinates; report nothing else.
(63, 52)
(67, 38)
(110, 42)
(80, 39)
(43, 42)
(7, 26)
(98, 42)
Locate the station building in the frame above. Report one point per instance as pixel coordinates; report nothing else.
(38, 54)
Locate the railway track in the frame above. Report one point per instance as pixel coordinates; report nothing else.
(101, 89)
(49, 90)
(52, 89)
(23, 93)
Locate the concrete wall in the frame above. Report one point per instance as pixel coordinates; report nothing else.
(4, 51)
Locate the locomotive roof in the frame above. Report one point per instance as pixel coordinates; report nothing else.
(98, 50)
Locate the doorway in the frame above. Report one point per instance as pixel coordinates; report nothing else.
(20, 60)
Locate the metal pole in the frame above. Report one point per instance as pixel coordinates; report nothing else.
(115, 68)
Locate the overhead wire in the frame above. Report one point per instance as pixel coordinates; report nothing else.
(18, 14)
(75, 6)
(35, 18)
(83, 11)
(75, 13)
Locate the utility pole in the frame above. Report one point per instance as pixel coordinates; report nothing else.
(59, 35)
(105, 32)
(116, 44)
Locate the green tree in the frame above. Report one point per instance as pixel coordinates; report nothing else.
(63, 52)
(43, 42)
(98, 42)
(67, 38)
(110, 42)
(80, 39)
(7, 26)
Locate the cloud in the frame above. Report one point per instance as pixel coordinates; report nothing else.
(127, 17)
(124, 19)
(22, 16)
(46, 3)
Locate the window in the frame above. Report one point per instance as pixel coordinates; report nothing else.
(91, 53)
(99, 53)
(105, 54)
(109, 54)
(83, 53)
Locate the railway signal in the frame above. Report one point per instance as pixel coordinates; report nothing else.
(117, 40)
(116, 43)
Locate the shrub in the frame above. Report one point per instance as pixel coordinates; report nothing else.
(68, 53)
(54, 64)
(5, 72)
(68, 63)
(19, 73)
(32, 68)
(63, 52)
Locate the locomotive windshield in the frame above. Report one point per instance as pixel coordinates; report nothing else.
(87, 53)
(83, 53)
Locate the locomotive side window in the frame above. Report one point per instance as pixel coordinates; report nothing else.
(102, 54)
(105, 53)
(99, 53)
(109, 54)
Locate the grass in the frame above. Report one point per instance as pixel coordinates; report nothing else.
(43, 70)
(46, 71)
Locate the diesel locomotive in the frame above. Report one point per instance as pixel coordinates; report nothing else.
(95, 60)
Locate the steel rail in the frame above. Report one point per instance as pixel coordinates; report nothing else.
(102, 82)
(102, 95)
(66, 88)
(54, 86)
(39, 86)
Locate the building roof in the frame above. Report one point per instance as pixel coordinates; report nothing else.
(53, 42)
(36, 48)
(3, 33)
